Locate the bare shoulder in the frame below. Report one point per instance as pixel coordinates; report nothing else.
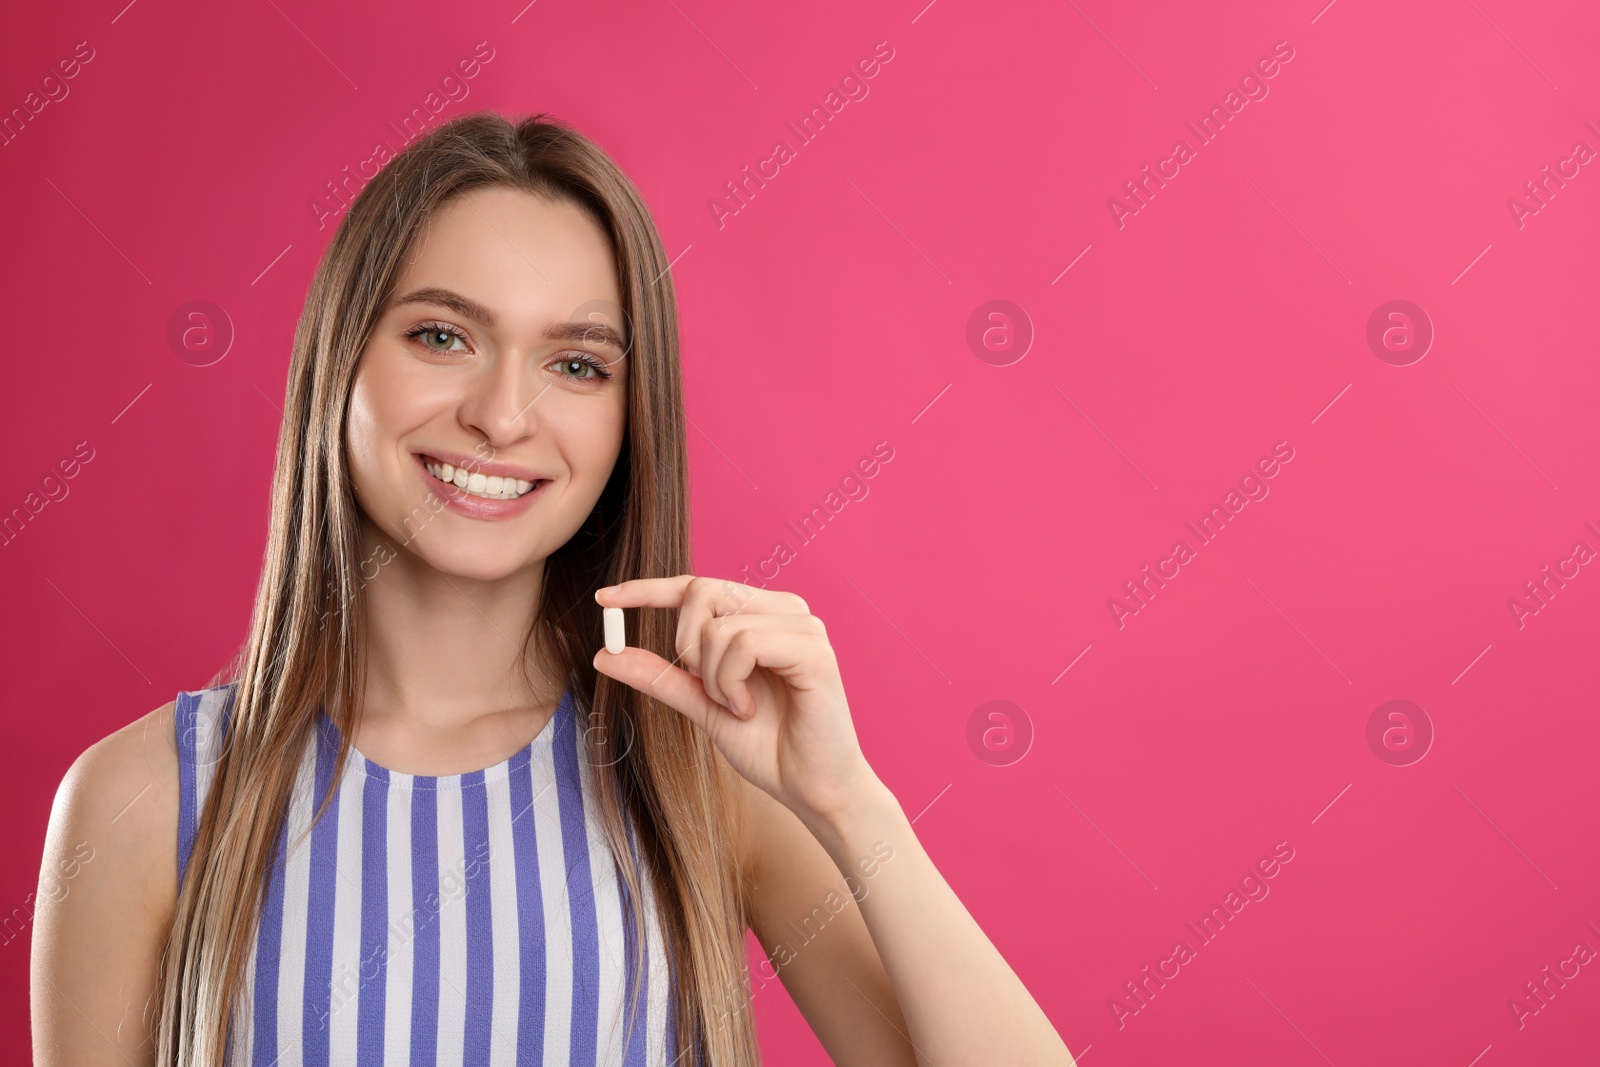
(107, 886)
(119, 799)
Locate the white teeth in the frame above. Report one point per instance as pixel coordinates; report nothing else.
(491, 488)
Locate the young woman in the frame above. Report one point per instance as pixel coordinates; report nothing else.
(427, 818)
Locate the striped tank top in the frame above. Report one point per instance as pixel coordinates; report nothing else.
(474, 918)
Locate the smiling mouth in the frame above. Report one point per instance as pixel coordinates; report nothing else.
(480, 485)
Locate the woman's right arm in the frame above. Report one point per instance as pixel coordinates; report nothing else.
(107, 887)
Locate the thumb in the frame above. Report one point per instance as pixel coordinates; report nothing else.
(655, 677)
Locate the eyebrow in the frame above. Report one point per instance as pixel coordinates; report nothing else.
(589, 332)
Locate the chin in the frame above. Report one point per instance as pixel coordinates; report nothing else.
(480, 563)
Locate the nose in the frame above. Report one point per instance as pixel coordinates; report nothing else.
(501, 402)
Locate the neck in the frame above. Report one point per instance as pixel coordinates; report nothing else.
(444, 652)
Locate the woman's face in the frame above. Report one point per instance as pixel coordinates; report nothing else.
(500, 365)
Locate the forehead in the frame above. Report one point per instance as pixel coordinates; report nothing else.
(527, 258)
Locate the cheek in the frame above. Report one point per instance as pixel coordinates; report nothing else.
(607, 439)
(363, 431)
(384, 407)
(591, 437)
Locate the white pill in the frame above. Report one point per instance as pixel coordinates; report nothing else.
(616, 640)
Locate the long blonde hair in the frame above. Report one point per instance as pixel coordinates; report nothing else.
(653, 767)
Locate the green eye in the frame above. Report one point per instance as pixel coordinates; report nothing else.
(574, 368)
(428, 332)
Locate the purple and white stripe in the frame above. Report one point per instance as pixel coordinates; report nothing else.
(439, 920)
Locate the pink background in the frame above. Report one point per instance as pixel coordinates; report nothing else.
(831, 313)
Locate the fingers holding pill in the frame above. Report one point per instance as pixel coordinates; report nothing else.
(700, 600)
(753, 669)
